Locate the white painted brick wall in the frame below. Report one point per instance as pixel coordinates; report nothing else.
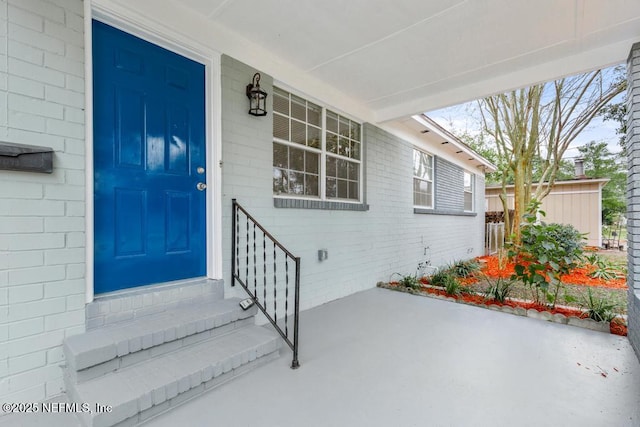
(633, 189)
(41, 216)
(364, 247)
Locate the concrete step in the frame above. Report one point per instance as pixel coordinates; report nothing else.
(107, 349)
(140, 391)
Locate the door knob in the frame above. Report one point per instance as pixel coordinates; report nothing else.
(201, 186)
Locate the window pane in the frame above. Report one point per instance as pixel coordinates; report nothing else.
(342, 189)
(468, 191)
(344, 147)
(296, 159)
(422, 165)
(354, 190)
(468, 201)
(355, 150)
(422, 193)
(332, 121)
(280, 101)
(313, 137)
(280, 127)
(312, 187)
(353, 170)
(331, 166)
(332, 188)
(313, 114)
(344, 129)
(280, 156)
(298, 132)
(342, 168)
(298, 108)
(312, 162)
(279, 181)
(332, 143)
(426, 189)
(296, 183)
(355, 131)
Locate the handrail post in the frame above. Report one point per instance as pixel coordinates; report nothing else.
(295, 364)
(234, 207)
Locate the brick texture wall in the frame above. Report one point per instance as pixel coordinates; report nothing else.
(633, 194)
(364, 246)
(41, 216)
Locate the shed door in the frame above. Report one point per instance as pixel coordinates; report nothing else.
(149, 157)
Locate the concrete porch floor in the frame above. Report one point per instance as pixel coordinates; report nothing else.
(383, 358)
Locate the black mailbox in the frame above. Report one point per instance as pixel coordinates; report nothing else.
(28, 158)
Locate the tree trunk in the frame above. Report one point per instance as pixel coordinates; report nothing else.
(519, 199)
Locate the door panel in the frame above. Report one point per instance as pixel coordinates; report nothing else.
(149, 141)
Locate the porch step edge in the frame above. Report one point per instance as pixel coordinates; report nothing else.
(139, 392)
(105, 344)
(126, 305)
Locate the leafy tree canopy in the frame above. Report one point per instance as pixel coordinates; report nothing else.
(600, 162)
(533, 127)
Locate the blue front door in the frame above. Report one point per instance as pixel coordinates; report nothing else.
(149, 159)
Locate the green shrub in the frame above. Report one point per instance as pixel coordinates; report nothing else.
(440, 277)
(465, 268)
(408, 281)
(603, 268)
(598, 309)
(545, 253)
(452, 286)
(499, 289)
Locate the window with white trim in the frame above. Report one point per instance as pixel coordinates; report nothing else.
(422, 179)
(468, 191)
(316, 152)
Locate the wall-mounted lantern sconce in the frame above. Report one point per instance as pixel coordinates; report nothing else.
(257, 97)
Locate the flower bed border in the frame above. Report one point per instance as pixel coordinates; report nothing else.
(578, 321)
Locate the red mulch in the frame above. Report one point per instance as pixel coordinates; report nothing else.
(579, 276)
(479, 299)
(616, 326)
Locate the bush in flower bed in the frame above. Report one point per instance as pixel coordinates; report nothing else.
(544, 254)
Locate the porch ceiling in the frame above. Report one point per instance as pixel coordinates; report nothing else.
(409, 56)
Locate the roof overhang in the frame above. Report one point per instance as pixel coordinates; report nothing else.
(580, 181)
(449, 142)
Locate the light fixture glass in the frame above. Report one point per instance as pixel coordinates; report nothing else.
(257, 97)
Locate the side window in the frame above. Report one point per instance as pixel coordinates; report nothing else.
(422, 179)
(469, 184)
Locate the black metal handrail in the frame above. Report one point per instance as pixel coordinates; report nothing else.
(247, 256)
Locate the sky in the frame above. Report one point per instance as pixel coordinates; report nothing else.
(465, 117)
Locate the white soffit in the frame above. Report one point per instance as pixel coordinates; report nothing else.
(402, 57)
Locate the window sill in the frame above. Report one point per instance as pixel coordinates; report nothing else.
(425, 211)
(319, 204)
